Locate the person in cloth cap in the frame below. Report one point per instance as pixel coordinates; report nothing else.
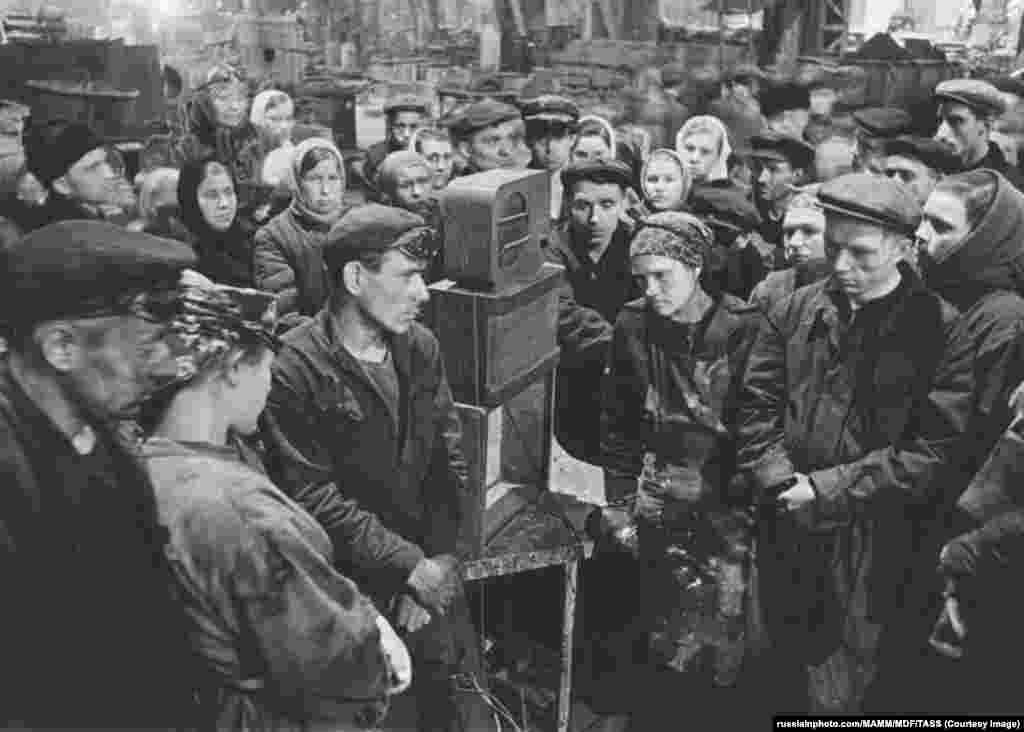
(403, 115)
(968, 109)
(593, 247)
(781, 164)
(84, 178)
(365, 372)
(404, 180)
(918, 163)
(669, 423)
(805, 431)
(734, 265)
(231, 530)
(786, 107)
(875, 125)
(85, 306)
(491, 134)
(551, 126)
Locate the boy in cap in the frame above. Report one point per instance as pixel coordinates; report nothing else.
(85, 307)
(968, 109)
(805, 422)
(360, 406)
(491, 134)
(781, 163)
(403, 115)
(551, 126)
(734, 265)
(593, 246)
(918, 163)
(875, 125)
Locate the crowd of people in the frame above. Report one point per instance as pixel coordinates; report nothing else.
(235, 495)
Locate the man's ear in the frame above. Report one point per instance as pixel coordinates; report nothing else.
(464, 149)
(352, 277)
(62, 186)
(59, 345)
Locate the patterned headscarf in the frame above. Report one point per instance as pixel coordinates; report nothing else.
(673, 234)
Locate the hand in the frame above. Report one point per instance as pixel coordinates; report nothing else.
(1017, 401)
(949, 631)
(649, 506)
(435, 582)
(409, 615)
(798, 495)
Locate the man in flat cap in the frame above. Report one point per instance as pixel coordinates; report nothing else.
(875, 125)
(968, 109)
(93, 637)
(786, 107)
(734, 265)
(593, 246)
(838, 370)
(403, 115)
(362, 430)
(491, 134)
(551, 125)
(918, 163)
(781, 164)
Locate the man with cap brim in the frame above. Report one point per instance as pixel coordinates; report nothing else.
(85, 304)
(490, 134)
(551, 125)
(968, 109)
(363, 432)
(781, 164)
(403, 115)
(786, 107)
(806, 421)
(918, 163)
(593, 247)
(875, 125)
(736, 265)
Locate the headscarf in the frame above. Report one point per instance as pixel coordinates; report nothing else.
(258, 110)
(277, 162)
(387, 173)
(674, 157)
(300, 206)
(673, 234)
(202, 118)
(706, 123)
(609, 131)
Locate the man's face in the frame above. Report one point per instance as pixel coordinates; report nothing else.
(403, 126)
(803, 234)
(550, 143)
(668, 283)
(863, 256)
(963, 132)
(498, 146)
(412, 188)
(438, 153)
(93, 179)
(944, 226)
(914, 174)
(833, 158)
(392, 297)
(596, 209)
(774, 181)
(251, 388)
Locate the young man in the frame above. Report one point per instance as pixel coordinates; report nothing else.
(593, 246)
(734, 265)
(839, 369)
(875, 125)
(490, 135)
(362, 431)
(551, 126)
(403, 116)
(918, 163)
(782, 164)
(90, 617)
(968, 109)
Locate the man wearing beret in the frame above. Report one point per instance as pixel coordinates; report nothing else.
(362, 431)
(781, 164)
(593, 246)
(403, 115)
(93, 637)
(875, 125)
(734, 265)
(918, 163)
(82, 176)
(490, 135)
(968, 109)
(551, 126)
(839, 370)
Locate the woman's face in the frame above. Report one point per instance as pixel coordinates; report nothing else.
(700, 151)
(279, 122)
(217, 200)
(668, 284)
(663, 183)
(590, 147)
(230, 104)
(323, 187)
(944, 226)
(803, 234)
(439, 155)
(249, 385)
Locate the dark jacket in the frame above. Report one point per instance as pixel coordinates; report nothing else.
(60, 208)
(779, 285)
(289, 261)
(92, 634)
(995, 160)
(334, 448)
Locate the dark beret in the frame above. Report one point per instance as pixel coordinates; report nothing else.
(929, 151)
(550, 107)
(979, 95)
(725, 207)
(485, 113)
(53, 147)
(871, 198)
(369, 228)
(598, 171)
(773, 146)
(783, 96)
(884, 121)
(71, 268)
(406, 103)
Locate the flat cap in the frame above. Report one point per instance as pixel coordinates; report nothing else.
(773, 146)
(79, 268)
(376, 228)
(883, 121)
(870, 198)
(598, 171)
(550, 107)
(53, 147)
(485, 113)
(406, 103)
(929, 151)
(976, 94)
(779, 97)
(725, 207)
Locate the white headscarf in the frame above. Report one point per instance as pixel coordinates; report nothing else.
(278, 162)
(706, 123)
(608, 129)
(664, 152)
(258, 111)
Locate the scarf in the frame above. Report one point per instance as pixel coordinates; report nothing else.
(299, 206)
(675, 158)
(706, 123)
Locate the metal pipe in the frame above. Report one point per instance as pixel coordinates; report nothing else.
(721, 38)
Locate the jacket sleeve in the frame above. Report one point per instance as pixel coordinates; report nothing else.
(579, 328)
(622, 411)
(997, 545)
(273, 271)
(301, 466)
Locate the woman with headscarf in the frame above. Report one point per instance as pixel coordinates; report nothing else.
(703, 144)
(289, 249)
(595, 140)
(273, 117)
(209, 206)
(665, 181)
(284, 638)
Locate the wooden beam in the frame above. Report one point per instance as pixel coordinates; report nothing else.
(611, 20)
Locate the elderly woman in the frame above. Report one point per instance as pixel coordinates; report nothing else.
(273, 117)
(703, 144)
(284, 638)
(435, 145)
(665, 181)
(288, 259)
(669, 404)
